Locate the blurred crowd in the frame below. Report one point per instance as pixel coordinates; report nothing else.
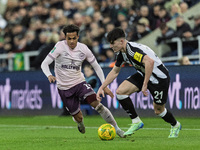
(184, 31)
(35, 25)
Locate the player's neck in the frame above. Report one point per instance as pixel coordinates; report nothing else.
(124, 46)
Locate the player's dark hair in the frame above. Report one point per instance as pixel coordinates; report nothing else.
(115, 34)
(70, 28)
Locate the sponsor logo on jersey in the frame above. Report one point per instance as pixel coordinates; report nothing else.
(137, 56)
(71, 67)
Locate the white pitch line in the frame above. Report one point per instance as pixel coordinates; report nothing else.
(31, 127)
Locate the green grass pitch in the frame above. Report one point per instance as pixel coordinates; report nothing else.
(57, 133)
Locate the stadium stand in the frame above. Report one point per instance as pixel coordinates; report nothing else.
(26, 24)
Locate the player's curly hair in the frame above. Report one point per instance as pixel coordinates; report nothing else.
(70, 28)
(115, 34)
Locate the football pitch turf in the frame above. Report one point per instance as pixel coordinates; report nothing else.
(60, 133)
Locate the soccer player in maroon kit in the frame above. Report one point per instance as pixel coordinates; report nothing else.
(69, 55)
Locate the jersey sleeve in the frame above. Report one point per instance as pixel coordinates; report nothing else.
(138, 55)
(89, 55)
(119, 60)
(55, 52)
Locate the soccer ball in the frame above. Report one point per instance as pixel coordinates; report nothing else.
(106, 132)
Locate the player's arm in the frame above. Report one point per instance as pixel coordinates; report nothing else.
(110, 77)
(45, 68)
(149, 64)
(100, 74)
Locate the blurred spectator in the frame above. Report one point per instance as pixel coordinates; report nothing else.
(196, 30)
(132, 16)
(121, 16)
(155, 15)
(44, 50)
(90, 77)
(184, 61)
(110, 55)
(32, 42)
(89, 11)
(181, 28)
(78, 20)
(183, 7)
(103, 7)
(144, 13)
(140, 32)
(166, 33)
(115, 6)
(68, 9)
(127, 29)
(163, 17)
(175, 11)
(146, 22)
(97, 5)
(104, 41)
(81, 8)
(194, 33)
(24, 18)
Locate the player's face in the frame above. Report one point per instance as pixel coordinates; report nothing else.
(116, 45)
(72, 39)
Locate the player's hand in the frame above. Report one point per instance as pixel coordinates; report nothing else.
(144, 90)
(51, 79)
(100, 93)
(108, 92)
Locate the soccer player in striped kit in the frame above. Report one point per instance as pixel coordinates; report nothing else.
(151, 74)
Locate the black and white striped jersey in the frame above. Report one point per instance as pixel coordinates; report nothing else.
(134, 56)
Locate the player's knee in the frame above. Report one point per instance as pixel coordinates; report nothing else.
(158, 111)
(99, 108)
(119, 91)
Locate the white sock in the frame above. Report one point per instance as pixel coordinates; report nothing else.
(162, 114)
(177, 124)
(106, 114)
(116, 127)
(136, 120)
(76, 121)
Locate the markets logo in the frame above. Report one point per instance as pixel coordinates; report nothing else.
(20, 98)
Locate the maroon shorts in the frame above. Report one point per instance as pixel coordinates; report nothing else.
(71, 98)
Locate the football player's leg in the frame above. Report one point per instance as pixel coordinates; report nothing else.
(168, 117)
(104, 112)
(78, 118)
(72, 105)
(123, 92)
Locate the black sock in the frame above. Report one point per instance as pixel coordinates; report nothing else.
(170, 118)
(128, 107)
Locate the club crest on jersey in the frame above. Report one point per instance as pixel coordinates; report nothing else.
(53, 50)
(137, 56)
(81, 56)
